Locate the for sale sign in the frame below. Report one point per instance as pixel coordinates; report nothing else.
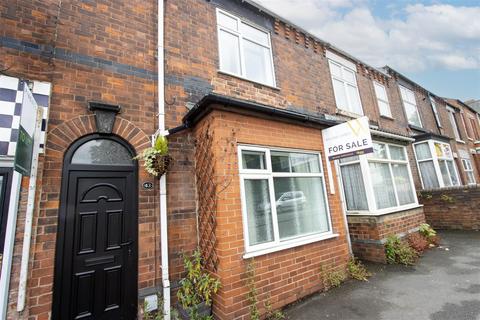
(23, 153)
(348, 139)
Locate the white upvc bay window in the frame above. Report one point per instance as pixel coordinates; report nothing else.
(344, 81)
(284, 199)
(435, 164)
(245, 50)
(410, 105)
(379, 182)
(467, 166)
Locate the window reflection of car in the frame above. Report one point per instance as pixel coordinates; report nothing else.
(287, 201)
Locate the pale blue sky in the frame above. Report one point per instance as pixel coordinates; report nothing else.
(436, 43)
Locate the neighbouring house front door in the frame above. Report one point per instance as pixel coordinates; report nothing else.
(96, 257)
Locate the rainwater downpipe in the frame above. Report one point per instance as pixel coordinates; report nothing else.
(163, 178)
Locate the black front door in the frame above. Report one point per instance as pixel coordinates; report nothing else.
(96, 269)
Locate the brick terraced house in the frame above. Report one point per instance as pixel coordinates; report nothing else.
(243, 95)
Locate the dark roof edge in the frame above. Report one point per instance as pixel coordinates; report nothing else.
(323, 42)
(202, 108)
(431, 135)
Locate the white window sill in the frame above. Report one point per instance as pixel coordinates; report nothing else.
(460, 141)
(477, 142)
(348, 113)
(384, 211)
(384, 116)
(290, 244)
(249, 80)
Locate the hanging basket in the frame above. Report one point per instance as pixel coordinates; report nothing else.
(161, 163)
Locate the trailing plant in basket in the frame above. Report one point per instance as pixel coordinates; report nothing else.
(197, 287)
(156, 158)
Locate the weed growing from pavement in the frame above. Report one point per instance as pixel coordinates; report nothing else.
(357, 270)
(397, 251)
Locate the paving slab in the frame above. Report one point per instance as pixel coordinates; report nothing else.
(444, 285)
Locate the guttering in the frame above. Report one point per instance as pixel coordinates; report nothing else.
(431, 136)
(163, 178)
(205, 105)
(389, 135)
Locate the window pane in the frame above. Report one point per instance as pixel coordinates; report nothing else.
(470, 177)
(382, 185)
(379, 151)
(453, 175)
(429, 176)
(229, 52)
(102, 152)
(340, 95)
(396, 153)
(445, 173)
(403, 184)
(257, 63)
(438, 149)
(423, 151)
(349, 76)
(259, 211)
(349, 159)
(254, 34)
(335, 69)
(301, 206)
(355, 107)
(304, 163)
(353, 187)
(384, 108)
(295, 162)
(380, 91)
(227, 21)
(412, 115)
(253, 160)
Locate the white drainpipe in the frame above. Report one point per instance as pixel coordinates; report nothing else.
(163, 179)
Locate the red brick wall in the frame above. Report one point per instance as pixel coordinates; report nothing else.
(368, 233)
(284, 276)
(124, 73)
(452, 208)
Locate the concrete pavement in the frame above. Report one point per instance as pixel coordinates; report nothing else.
(444, 285)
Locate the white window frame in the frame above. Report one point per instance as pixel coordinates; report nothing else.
(453, 122)
(382, 87)
(436, 164)
(468, 168)
(467, 129)
(364, 161)
(269, 175)
(242, 67)
(405, 103)
(435, 111)
(344, 64)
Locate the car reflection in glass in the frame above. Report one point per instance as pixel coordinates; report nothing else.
(286, 202)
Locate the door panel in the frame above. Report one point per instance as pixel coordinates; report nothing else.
(99, 257)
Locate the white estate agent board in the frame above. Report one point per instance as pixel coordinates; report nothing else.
(347, 139)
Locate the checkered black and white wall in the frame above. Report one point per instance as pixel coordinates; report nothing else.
(11, 96)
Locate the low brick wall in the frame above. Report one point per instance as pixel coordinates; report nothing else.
(369, 233)
(452, 208)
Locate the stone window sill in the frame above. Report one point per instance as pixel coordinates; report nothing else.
(290, 244)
